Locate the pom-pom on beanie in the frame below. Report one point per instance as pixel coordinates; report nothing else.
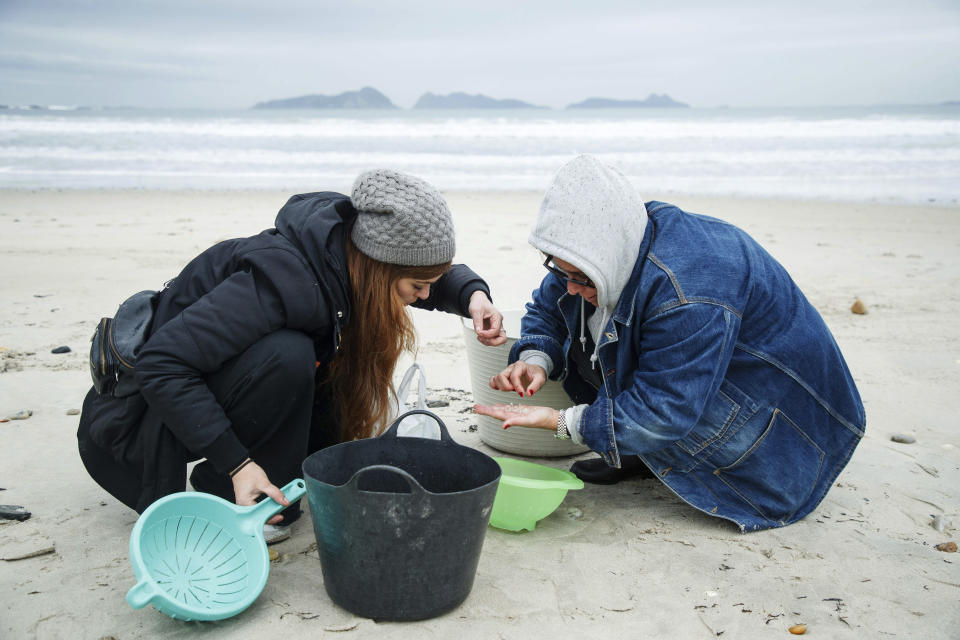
(401, 219)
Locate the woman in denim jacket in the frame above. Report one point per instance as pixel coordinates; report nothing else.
(688, 352)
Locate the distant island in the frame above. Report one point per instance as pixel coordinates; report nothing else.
(366, 98)
(370, 98)
(460, 100)
(656, 101)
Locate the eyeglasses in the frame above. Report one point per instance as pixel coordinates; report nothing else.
(552, 268)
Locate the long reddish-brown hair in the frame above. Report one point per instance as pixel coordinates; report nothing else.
(378, 332)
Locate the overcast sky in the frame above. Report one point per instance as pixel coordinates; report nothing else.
(234, 53)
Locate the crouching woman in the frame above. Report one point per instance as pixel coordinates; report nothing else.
(688, 351)
(265, 349)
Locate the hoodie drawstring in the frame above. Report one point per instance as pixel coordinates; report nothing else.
(583, 326)
(583, 335)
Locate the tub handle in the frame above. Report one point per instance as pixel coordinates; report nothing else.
(392, 431)
(353, 482)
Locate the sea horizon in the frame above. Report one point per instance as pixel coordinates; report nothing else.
(33, 106)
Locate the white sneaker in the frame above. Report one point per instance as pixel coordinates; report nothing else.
(272, 533)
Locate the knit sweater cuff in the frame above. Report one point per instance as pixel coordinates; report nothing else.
(574, 415)
(539, 358)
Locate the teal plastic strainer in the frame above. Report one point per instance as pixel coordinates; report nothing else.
(199, 557)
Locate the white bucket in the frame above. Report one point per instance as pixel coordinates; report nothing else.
(485, 362)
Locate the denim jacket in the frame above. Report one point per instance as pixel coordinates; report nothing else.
(716, 371)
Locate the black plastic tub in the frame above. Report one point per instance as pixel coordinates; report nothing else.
(400, 521)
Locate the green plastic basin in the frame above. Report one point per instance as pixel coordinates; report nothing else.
(528, 492)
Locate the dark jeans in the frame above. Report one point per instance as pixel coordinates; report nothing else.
(268, 394)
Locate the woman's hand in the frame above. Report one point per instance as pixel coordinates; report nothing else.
(487, 321)
(251, 482)
(522, 377)
(521, 416)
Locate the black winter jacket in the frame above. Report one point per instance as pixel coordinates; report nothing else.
(292, 276)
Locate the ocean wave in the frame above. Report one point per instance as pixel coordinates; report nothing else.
(468, 129)
(907, 156)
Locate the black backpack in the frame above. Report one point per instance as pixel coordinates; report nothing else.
(116, 342)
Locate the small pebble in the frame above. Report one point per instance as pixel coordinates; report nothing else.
(858, 307)
(798, 629)
(14, 512)
(73, 412)
(472, 428)
(63, 349)
(21, 415)
(274, 555)
(947, 547)
(574, 513)
(903, 438)
(433, 404)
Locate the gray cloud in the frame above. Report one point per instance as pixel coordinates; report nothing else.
(103, 69)
(220, 53)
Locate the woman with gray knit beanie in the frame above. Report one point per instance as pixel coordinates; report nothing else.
(265, 349)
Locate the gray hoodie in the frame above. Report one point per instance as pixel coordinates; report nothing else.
(593, 218)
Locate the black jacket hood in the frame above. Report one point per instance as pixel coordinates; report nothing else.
(317, 224)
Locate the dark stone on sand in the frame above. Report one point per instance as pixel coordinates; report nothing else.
(14, 512)
(63, 349)
(903, 438)
(433, 404)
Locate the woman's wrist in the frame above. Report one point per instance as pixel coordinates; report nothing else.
(236, 469)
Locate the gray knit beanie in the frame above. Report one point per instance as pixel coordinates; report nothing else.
(401, 219)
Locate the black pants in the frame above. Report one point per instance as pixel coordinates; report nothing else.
(267, 393)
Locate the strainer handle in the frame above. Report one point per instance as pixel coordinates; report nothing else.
(352, 483)
(141, 594)
(255, 517)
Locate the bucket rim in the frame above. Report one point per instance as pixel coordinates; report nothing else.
(561, 479)
(317, 481)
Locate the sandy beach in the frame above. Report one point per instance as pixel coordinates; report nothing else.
(623, 561)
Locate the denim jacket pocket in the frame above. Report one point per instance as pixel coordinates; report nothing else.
(778, 472)
(729, 406)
